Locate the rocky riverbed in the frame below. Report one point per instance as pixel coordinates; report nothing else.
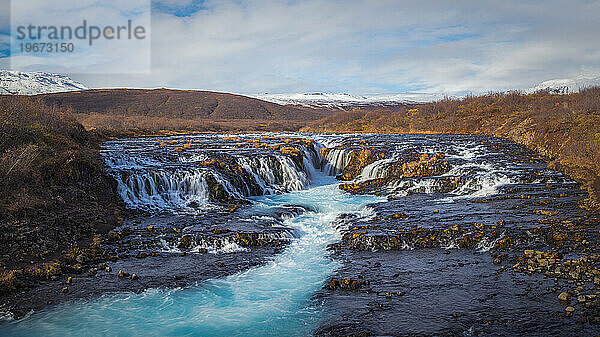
(453, 235)
(521, 257)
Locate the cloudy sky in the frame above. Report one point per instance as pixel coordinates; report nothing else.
(359, 47)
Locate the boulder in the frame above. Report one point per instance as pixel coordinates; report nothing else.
(564, 296)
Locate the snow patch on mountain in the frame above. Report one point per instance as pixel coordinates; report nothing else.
(343, 100)
(567, 85)
(32, 83)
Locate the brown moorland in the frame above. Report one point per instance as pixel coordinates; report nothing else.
(566, 128)
(55, 196)
(152, 111)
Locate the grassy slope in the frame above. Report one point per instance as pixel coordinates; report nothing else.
(564, 127)
(153, 111)
(54, 193)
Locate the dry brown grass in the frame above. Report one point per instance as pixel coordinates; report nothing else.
(41, 146)
(51, 178)
(150, 111)
(118, 125)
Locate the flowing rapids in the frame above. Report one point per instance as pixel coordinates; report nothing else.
(273, 299)
(216, 200)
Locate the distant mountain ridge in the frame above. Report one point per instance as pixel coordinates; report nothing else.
(567, 85)
(344, 101)
(14, 82)
(34, 83)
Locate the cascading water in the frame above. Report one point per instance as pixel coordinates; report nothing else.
(275, 173)
(161, 189)
(335, 161)
(152, 178)
(275, 298)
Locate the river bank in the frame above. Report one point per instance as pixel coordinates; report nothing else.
(56, 199)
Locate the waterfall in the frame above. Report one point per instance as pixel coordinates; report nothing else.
(275, 174)
(377, 169)
(335, 161)
(274, 298)
(185, 182)
(161, 189)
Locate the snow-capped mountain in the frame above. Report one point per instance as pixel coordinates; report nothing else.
(567, 85)
(343, 101)
(32, 83)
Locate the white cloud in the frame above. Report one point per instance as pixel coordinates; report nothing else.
(368, 46)
(103, 56)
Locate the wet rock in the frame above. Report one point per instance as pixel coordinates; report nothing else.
(81, 258)
(357, 160)
(218, 231)
(134, 277)
(528, 253)
(344, 284)
(185, 242)
(77, 268)
(113, 236)
(332, 285)
(564, 296)
(122, 274)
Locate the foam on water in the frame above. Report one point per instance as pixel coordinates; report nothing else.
(227, 247)
(272, 299)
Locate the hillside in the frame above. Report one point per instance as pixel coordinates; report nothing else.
(55, 195)
(31, 83)
(565, 128)
(178, 110)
